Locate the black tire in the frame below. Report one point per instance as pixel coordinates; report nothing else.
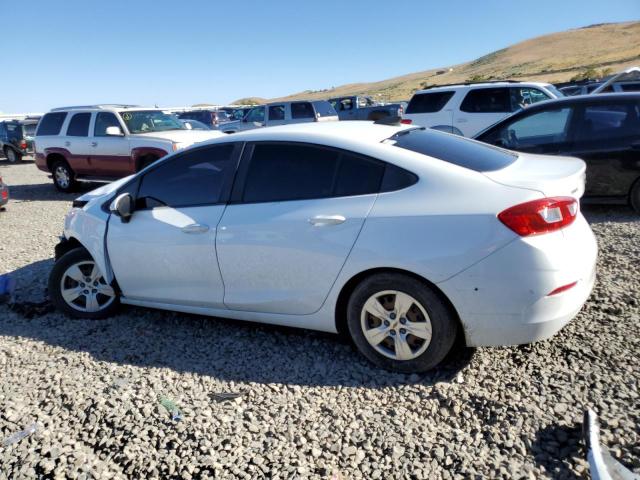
(12, 155)
(634, 196)
(444, 325)
(79, 257)
(64, 178)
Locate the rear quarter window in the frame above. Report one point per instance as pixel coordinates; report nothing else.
(429, 102)
(51, 123)
(454, 149)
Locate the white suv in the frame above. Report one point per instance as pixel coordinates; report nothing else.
(467, 109)
(106, 142)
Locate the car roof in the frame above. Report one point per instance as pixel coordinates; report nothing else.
(356, 131)
(468, 86)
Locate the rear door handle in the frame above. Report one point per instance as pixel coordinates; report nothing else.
(326, 220)
(94, 144)
(195, 228)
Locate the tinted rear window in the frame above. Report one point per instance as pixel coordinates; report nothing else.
(428, 102)
(454, 149)
(51, 123)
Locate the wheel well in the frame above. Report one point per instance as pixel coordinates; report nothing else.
(52, 158)
(66, 246)
(349, 287)
(142, 161)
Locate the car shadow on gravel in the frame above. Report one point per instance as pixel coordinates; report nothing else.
(609, 213)
(556, 447)
(46, 191)
(229, 350)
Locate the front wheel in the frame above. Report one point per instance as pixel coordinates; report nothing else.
(12, 155)
(78, 289)
(63, 177)
(399, 323)
(634, 196)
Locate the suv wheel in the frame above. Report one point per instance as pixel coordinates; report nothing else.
(12, 155)
(634, 196)
(63, 176)
(77, 287)
(400, 324)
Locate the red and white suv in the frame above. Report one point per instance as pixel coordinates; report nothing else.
(106, 142)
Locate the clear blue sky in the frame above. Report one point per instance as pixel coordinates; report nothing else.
(184, 52)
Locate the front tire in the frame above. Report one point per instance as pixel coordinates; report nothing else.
(78, 289)
(634, 196)
(12, 155)
(64, 178)
(399, 323)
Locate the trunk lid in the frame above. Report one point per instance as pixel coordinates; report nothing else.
(549, 175)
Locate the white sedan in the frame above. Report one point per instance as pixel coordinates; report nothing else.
(403, 237)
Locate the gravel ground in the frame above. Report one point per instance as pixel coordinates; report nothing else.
(309, 405)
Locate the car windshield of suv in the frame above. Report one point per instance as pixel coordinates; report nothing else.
(145, 121)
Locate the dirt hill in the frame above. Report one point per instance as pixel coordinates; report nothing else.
(550, 58)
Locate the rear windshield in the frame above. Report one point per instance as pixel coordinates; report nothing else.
(51, 123)
(454, 149)
(428, 102)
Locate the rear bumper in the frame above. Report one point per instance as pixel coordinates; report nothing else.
(504, 299)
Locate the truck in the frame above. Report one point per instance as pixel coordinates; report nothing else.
(364, 108)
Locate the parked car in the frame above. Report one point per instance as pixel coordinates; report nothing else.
(194, 124)
(402, 237)
(627, 80)
(4, 193)
(106, 142)
(466, 109)
(211, 118)
(16, 138)
(363, 108)
(602, 130)
(282, 113)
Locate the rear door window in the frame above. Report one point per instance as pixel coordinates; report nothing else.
(51, 123)
(487, 100)
(429, 102)
(79, 125)
(302, 110)
(285, 172)
(606, 122)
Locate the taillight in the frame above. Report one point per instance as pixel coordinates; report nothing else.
(540, 216)
(23, 144)
(406, 121)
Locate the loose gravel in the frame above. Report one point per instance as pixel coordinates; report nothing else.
(307, 405)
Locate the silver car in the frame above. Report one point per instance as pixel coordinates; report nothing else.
(283, 113)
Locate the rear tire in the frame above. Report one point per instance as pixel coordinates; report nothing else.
(78, 289)
(634, 196)
(12, 155)
(64, 178)
(413, 329)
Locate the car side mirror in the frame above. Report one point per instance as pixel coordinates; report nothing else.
(259, 124)
(122, 206)
(114, 132)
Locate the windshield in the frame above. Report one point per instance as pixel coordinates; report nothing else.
(145, 121)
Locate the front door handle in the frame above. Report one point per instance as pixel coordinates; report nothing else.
(195, 228)
(94, 144)
(326, 220)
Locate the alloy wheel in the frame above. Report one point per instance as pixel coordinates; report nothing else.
(62, 176)
(11, 155)
(396, 325)
(84, 288)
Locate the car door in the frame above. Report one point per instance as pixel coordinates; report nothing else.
(78, 143)
(166, 252)
(295, 213)
(480, 108)
(110, 155)
(607, 138)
